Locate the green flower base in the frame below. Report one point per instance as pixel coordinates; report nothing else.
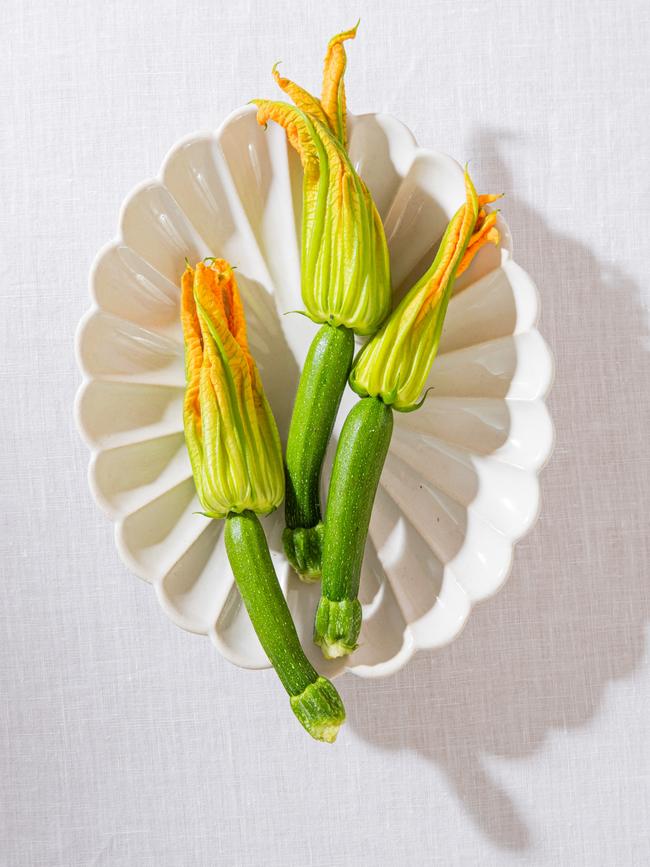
(337, 627)
(320, 710)
(304, 549)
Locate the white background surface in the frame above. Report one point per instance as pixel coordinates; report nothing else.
(128, 742)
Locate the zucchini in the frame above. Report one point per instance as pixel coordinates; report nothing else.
(321, 386)
(359, 460)
(313, 699)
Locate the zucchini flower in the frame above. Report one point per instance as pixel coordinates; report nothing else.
(395, 363)
(231, 435)
(345, 277)
(345, 271)
(236, 459)
(389, 374)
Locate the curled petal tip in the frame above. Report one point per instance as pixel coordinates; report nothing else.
(301, 98)
(333, 97)
(350, 33)
(488, 199)
(258, 104)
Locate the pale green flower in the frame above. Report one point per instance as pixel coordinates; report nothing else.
(231, 435)
(395, 363)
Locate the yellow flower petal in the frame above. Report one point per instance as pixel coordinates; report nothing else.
(301, 98)
(451, 248)
(299, 129)
(215, 290)
(488, 199)
(485, 232)
(333, 93)
(330, 110)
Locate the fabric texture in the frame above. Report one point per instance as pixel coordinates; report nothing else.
(126, 741)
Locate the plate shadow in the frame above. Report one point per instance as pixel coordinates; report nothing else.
(572, 617)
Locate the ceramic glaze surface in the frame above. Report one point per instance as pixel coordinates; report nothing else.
(460, 483)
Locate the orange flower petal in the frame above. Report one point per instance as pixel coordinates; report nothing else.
(216, 291)
(454, 241)
(295, 125)
(333, 92)
(485, 232)
(193, 345)
(300, 97)
(489, 198)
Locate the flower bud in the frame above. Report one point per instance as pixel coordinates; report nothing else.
(395, 363)
(231, 435)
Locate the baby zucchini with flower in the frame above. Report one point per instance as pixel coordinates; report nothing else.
(236, 459)
(345, 280)
(389, 374)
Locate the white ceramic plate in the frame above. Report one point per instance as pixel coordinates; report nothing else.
(460, 483)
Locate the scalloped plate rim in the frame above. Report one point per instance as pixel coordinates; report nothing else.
(409, 646)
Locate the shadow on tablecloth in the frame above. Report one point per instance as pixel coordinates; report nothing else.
(571, 619)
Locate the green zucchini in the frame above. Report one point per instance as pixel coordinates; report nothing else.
(321, 386)
(313, 699)
(359, 460)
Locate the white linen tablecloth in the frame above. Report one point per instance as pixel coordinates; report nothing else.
(128, 742)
